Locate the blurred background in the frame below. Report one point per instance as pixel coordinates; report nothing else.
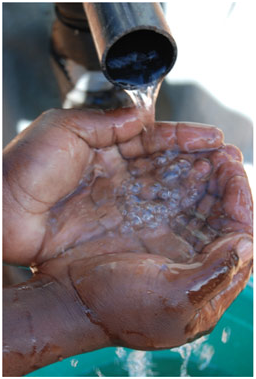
(212, 81)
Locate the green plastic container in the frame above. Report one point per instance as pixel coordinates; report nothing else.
(227, 351)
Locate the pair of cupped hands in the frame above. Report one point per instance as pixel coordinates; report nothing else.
(98, 281)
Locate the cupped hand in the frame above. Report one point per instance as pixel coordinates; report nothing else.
(150, 227)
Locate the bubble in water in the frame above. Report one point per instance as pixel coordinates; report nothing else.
(175, 195)
(161, 161)
(150, 207)
(184, 165)
(135, 188)
(170, 154)
(155, 188)
(147, 216)
(171, 174)
(160, 209)
(136, 221)
(135, 208)
(164, 194)
(133, 199)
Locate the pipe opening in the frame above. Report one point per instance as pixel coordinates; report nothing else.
(140, 58)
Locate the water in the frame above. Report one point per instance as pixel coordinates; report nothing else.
(144, 100)
(203, 351)
(197, 355)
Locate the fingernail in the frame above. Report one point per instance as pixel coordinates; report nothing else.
(244, 249)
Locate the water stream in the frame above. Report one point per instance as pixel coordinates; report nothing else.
(144, 100)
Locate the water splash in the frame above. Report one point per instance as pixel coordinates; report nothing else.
(74, 362)
(139, 364)
(225, 334)
(205, 356)
(98, 372)
(121, 353)
(204, 353)
(136, 363)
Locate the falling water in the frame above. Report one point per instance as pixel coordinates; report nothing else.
(203, 351)
(136, 363)
(144, 100)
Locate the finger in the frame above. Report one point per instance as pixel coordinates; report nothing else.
(146, 301)
(183, 137)
(233, 152)
(102, 128)
(205, 319)
(45, 163)
(228, 161)
(226, 172)
(195, 182)
(52, 154)
(237, 200)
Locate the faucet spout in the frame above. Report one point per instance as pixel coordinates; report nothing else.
(133, 42)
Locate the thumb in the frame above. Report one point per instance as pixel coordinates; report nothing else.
(45, 163)
(146, 301)
(240, 249)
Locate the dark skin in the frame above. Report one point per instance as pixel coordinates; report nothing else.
(130, 245)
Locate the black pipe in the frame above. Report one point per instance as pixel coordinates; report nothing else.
(133, 41)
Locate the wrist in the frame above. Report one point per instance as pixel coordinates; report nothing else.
(43, 322)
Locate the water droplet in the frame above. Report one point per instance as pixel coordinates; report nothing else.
(136, 221)
(147, 216)
(155, 188)
(175, 195)
(171, 174)
(164, 194)
(161, 209)
(150, 207)
(225, 334)
(74, 362)
(135, 208)
(161, 161)
(133, 199)
(135, 188)
(170, 154)
(184, 165)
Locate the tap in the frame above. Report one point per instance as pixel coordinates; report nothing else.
(130, 42)
(133, 41)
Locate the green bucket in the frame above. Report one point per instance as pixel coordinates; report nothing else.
(227, 351)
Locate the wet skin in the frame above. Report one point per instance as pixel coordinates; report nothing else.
(138, 237)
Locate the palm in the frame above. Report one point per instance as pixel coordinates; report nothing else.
(153, 221)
